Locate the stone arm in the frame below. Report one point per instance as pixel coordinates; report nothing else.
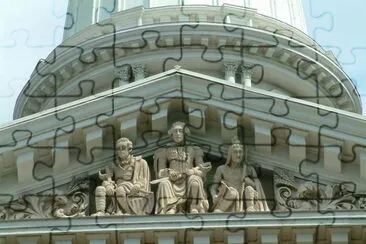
(160, 163)
(200, 167)
(141, 178)
(216, 182)
(250, 177)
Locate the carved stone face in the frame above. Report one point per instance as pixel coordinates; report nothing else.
(123, 151)
(178, 134)
(237, 155)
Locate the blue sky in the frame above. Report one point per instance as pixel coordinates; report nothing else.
(29, 30)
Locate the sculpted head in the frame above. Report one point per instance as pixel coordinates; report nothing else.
(178, 131)
(236, 152)
(124, 148)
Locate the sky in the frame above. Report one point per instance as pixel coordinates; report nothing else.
(30, 30)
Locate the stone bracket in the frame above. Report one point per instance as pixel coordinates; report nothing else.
(263, 135)
(25, 163)
(93, 141)
(197, 118)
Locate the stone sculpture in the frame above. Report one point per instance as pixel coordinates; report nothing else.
(127, 187)
(236, 187)
(299, 194)
(181, 172)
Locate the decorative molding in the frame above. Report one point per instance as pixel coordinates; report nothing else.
(65, 201)
(299, 194)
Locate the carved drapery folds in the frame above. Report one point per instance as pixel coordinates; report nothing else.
(293, 193)
(181, 175)
(180, 187)
(236, 187)
(126, 189)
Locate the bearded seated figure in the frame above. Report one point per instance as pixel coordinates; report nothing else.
(181, 174)
(126, 189)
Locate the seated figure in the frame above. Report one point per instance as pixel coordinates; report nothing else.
(127, 187)
(181, 173)
(236, 187)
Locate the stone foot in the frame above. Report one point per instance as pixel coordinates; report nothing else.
(99, 213)
(194, 211)
(171, 211)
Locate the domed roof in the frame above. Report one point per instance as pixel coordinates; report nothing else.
(199, 38)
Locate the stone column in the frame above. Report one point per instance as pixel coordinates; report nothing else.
(124, 74)
(197, 117)
(93, 141)
(297, 145)
(332, 150)
(25, 164)
(61, 153)
(246, 75)
(263, 135)
(139, 71)
(230, 70)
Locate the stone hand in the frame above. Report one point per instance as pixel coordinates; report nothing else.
(173, 175)
(249, 182)
(190, 172)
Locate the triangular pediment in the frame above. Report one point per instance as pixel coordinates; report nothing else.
(270, 126)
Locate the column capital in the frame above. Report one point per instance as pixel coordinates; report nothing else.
(139, 71)
(230, 69)
(124, 74)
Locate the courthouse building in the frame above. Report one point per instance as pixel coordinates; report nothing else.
(237, 127)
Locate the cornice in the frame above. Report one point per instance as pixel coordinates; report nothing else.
(182, 222)
(302, 115)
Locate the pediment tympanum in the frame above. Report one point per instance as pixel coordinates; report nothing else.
(184, 183)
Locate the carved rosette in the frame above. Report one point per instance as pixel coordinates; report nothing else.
(298, 194)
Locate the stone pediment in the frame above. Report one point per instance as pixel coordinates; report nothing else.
(144, 116)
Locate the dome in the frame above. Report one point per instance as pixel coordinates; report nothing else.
(110, 45)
